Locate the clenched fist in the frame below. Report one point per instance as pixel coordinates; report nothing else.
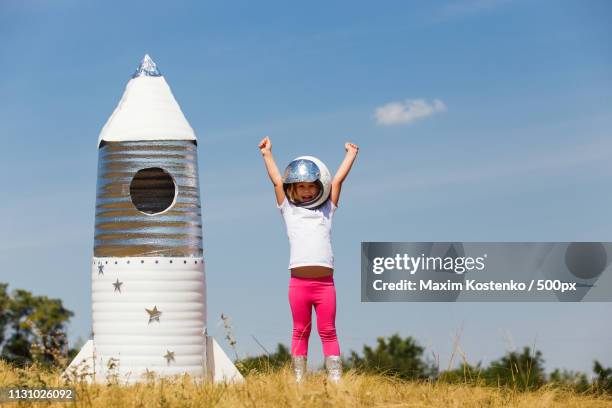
(265, 145)
(351, 148)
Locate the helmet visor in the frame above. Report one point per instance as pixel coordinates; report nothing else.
(301, 171)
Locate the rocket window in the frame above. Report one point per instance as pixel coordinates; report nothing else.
(152, 190)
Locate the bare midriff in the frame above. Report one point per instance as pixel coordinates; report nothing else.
(311, 271)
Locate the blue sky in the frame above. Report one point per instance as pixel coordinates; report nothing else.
(521, 151)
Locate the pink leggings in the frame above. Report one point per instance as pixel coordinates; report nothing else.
(320, 293)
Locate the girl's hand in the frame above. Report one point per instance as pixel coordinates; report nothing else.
(351, 148)
(265, 145)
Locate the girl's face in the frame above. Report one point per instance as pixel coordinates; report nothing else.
(306, 191)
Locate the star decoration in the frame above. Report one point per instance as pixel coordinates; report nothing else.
(153, 314)
(117, 285)
(100, 269)
(169, 356)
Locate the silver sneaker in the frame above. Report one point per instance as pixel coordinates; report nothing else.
(333, 365)
(299, 367)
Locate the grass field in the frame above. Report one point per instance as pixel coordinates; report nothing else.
(277, 388)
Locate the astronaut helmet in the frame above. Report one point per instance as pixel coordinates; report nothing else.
(305, 169)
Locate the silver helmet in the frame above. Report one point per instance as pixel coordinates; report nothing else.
(308, 169)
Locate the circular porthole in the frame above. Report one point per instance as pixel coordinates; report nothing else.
(152, 190)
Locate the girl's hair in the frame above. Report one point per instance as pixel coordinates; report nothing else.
(291, 192)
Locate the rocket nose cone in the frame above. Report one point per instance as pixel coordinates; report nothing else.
(147, 110)
(147, 68)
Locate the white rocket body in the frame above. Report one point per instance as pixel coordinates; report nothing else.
(148, 282)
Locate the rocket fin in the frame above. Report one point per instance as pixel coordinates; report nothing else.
(82, 366)
(219, 366)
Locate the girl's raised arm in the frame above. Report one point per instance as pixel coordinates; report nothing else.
(343, 170)
(265, 146)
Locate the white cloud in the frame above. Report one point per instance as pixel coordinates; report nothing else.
(398, 113)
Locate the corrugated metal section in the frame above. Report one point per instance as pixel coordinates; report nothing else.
(123, 291)
(124, 231)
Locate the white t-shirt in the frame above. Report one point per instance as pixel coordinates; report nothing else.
(309, 233)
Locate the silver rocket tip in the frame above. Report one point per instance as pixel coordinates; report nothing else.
(147, 68)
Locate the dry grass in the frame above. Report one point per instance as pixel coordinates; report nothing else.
(278, 389)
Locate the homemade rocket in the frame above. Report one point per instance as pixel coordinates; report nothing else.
(147, 273)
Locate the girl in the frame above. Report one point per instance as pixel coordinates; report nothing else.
(307, 197)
